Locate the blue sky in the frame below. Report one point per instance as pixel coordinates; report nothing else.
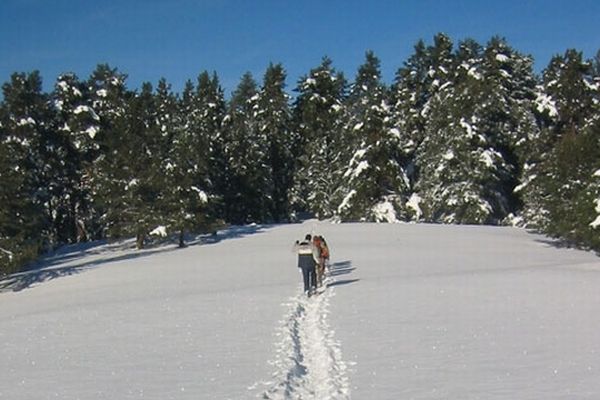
(177, 39)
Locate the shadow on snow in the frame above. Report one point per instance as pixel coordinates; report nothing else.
(338, 269)
(51, 266)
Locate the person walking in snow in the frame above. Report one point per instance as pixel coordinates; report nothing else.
(320, 268)
(324, 253)
(308, 257)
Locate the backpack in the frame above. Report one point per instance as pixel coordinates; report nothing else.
(318, 244)
(324, 249)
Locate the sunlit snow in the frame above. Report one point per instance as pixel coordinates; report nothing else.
(412, 311)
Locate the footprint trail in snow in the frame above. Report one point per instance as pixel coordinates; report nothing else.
(308, 363)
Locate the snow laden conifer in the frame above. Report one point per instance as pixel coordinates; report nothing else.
(573, 180)
(73, 105)
(25, 220)
(108, 99)
(506, 119)
(77, 122)
(62, 176)
(134, 183)
(274, 123)
(187, 169)
(469, 162)
(44, 153)
(247, 197)
(108, 96)
(319, 117)
(565, 184)
(374, 182)
(410, 96)
(592, 234)
(209, 111)
(165, 162)
(445, 160)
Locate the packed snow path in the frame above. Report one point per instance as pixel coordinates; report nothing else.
(309, 363)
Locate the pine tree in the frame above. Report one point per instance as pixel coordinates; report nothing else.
(108, 176)
(77, 123)
(409, 94)
(450, 153)
(591, 202)
(25, 222)
(375, 184)
(478, 120)
(565, 183)
(430, 75)
(506, 118)
(572, 208)
(246, 148)
(211, 109)
(568, 80)
(274, 123)
(187, 170)
(16, 206)
(204, 157)
(109, 96)
(319, 116)
(165, 159)
(128, 186)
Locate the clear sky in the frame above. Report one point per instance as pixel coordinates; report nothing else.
(177, 39)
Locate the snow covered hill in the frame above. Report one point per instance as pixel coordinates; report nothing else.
(412, 312)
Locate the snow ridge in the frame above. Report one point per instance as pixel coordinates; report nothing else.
(308, 362)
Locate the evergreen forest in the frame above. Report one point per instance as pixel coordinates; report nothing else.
(465, 134)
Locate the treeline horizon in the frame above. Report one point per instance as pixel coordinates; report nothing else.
(465, 134)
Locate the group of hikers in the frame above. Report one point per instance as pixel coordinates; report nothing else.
(313, 259)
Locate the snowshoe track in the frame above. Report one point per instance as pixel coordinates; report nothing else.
(308, 362)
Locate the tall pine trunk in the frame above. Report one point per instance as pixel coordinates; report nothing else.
(181, 239)
(140, 239)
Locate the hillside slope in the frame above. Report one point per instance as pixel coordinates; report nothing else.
(412, 312)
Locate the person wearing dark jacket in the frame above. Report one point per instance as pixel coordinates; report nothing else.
(308, 257)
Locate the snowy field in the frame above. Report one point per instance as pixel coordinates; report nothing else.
(411, 312)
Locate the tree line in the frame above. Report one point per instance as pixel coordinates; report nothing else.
(465, 134)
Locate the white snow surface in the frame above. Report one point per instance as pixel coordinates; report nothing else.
(412, 311)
